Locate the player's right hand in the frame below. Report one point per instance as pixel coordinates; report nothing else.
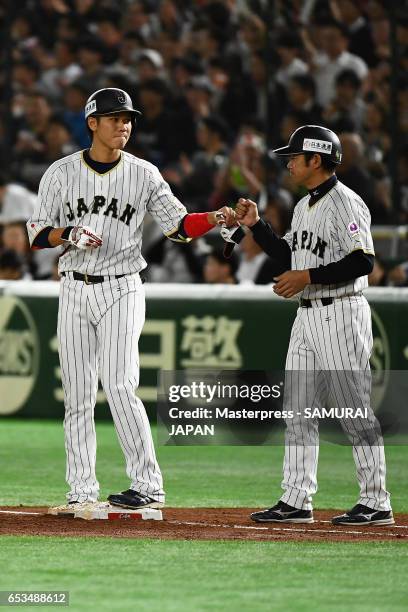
(223, 216)
(83, 237)
(247, 212)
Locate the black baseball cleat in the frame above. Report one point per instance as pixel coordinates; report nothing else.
(362, 515)
(133, 499)
(283, 513)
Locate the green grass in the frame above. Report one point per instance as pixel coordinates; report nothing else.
(108, 574)
(119, 574)
(33, 470)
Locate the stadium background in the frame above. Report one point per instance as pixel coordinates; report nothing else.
(220, 83)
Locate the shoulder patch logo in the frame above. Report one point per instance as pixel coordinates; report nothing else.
(353, 227)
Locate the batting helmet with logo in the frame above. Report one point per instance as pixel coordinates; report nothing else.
(313, 139)
(108, 101)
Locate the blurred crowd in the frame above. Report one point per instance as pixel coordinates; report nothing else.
(219, 87)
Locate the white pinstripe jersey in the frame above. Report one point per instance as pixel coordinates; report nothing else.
(113, 204)
(333, 227)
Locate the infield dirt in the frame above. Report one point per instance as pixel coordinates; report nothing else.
(197, 524)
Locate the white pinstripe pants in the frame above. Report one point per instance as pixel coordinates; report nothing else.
(98, 332)
(335, 338)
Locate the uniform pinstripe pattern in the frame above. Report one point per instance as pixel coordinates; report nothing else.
(331, 347)
(99, 325)
(329, 350)
(321, 234)
(98, 329)
(113, 204)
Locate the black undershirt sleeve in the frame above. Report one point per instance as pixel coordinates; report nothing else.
(277, 248)
(350, 267)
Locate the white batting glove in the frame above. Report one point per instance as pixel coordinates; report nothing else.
(83, 237)
(232, 234)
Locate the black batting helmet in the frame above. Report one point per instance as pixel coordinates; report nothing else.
(108, 101)
(313, 139)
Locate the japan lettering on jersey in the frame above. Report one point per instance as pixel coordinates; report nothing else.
(327, 231)
(113, 204)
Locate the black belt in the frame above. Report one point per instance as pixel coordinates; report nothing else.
(304, 303)
(92, 280)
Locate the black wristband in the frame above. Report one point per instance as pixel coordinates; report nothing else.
(65, 234)
(41, 240)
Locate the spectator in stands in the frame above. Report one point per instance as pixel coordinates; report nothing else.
(403, 177)
(251, 36)
(16, 201)
(331, 59)
(56, 144)
(11, 265)
(199, 95)
(31, 134)
(23, 33)
(26, 76)
(37, 111)
(255, 267)
(347, 107)
(206, 42)
(301, 93)
(279, 211)
(234, 102)
(289, 48)
(375, 132)
(109, 32)
(170, 17)
(218, 269)
(141, 18)
(90, 56)
(193, 179)
(157, 134)
(72, 26)
(290, 123)
(199, 104)
(214, 58)
(65, 70)
(259, 74)
(378, 276)
(380, 32)
(360, 38)
(75, 97)
(403, 109)
(244, 174)
(352, 171)
(45, 15)
(182, 71)
(398, 276)
(129, 49)
(383, 276)
(14, 239)
(170, 262)
(149, 65)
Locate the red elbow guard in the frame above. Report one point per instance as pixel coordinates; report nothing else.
(196, 224)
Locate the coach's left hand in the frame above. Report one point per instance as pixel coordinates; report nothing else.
(291, 282)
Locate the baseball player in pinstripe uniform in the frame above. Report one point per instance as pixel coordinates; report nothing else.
(94, 202)
(324, 260)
